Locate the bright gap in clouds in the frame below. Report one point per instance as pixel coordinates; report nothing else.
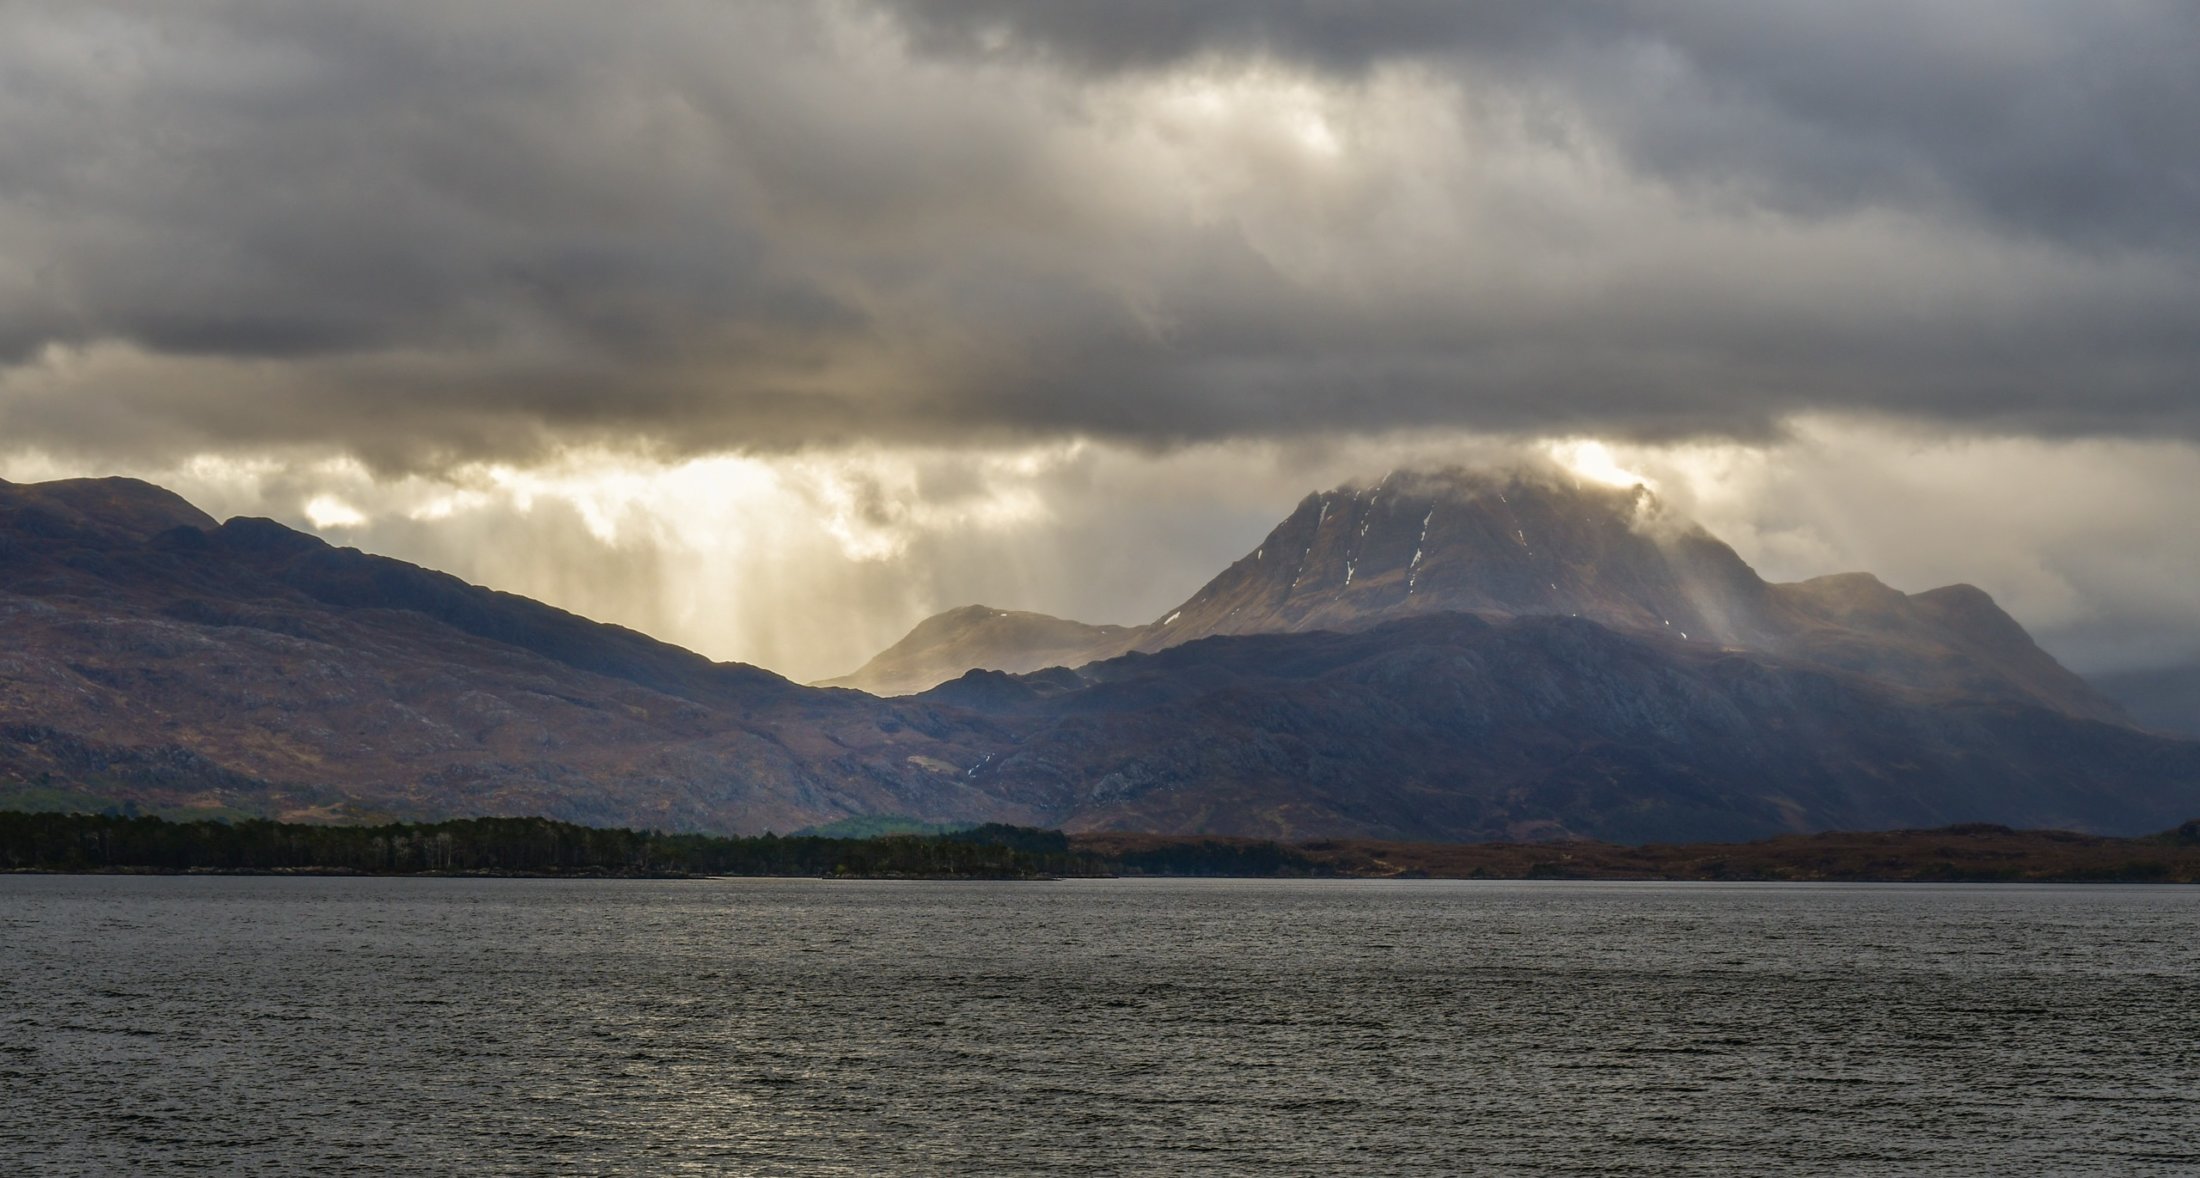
(1248, 105)
(327, 512)
(1593, 460)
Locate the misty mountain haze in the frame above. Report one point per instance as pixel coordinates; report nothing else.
(2163, 699)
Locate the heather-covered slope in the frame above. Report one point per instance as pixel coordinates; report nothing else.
(154, 655)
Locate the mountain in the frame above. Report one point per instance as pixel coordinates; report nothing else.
(2162, 699)
(153, 655)
(1452, 727)
(979, 636)
(1538, 544)
(150, 656)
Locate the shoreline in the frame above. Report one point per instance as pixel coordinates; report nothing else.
(536, 848)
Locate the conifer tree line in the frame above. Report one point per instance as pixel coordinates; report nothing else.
(117, 841)
(98, 842)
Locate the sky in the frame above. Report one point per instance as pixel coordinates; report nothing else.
(771, 328)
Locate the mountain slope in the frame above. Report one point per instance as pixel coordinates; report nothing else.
(295, 676)
(1450, 727)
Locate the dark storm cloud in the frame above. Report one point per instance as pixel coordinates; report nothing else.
(427, 234)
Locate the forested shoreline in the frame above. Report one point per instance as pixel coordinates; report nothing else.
(512, 846)
(79, 842)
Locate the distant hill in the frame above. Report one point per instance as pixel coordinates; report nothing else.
(984, 637)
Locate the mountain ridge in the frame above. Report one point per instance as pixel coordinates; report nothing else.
(323, 673)
(149, 656)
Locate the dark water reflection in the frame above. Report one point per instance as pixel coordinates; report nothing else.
(1094, 1027)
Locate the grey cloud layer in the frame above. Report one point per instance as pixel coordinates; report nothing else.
(2067, 119)
(430, 234)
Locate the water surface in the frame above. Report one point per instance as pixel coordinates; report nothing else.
(260, 1025)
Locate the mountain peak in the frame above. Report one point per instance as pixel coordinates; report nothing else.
(1506, 542)
(111, 509)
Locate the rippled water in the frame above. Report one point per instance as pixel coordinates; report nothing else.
(804, 1027)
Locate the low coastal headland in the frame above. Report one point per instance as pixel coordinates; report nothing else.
(65, 842)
